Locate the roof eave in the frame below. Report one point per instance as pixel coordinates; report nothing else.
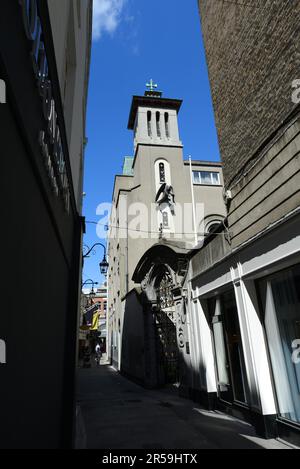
(149, 101)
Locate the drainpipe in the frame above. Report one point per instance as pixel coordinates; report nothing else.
(193, 202)
(127, 260)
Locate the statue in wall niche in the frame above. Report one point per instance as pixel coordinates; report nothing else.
(145, 281)
(165, 195)
(180, 312)
(148, 287)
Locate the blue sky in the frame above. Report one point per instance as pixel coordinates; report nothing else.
(133, 41)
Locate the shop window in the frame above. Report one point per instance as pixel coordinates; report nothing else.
(232, 378)
(280, 299)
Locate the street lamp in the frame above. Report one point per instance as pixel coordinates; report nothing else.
(89, 281)
(103, 264)
(92, 293)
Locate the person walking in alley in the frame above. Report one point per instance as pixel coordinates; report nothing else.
(98, 354)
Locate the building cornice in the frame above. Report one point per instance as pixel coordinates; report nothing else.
(153, 102)
(126, 190)
(234, 252)
(204, 163)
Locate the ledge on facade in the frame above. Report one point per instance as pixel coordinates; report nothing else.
(203, 163)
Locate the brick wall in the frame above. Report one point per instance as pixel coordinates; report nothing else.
(253, 55)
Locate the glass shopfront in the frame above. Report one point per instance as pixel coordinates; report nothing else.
(280, 298)
(230, 363)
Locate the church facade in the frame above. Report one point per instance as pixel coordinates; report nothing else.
(163, 206)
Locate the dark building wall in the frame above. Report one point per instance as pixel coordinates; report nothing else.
(253, 56)
(39, 260)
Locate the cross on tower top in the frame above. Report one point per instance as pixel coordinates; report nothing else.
(151, 85)
(152, 90)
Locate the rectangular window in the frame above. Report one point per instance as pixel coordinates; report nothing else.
(280, 300)
(196, 177)
(215, 178)
(206, 178)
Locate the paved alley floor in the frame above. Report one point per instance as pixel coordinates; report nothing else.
(115, 413)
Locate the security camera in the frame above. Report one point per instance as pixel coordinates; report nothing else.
(227, 195)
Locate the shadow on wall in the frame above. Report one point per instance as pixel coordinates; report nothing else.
(148, 356)
(133, 344)
(142, 358)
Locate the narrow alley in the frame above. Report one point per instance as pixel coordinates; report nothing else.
(115, 413)
(150, 177)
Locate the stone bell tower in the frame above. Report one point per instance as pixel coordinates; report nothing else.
(158, 160)
(153, 119)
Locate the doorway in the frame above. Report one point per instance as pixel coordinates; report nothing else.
(165, 323)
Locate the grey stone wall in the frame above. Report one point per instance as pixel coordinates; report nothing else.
(269, 190)
(253, 56)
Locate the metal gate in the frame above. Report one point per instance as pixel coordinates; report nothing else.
(166, 330)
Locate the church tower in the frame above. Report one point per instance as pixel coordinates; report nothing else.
(158, 159)
(153, 119)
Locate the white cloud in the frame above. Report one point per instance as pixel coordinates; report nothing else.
(106, 16)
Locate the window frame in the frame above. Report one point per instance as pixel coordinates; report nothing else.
(212, 183)
(162, 172)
